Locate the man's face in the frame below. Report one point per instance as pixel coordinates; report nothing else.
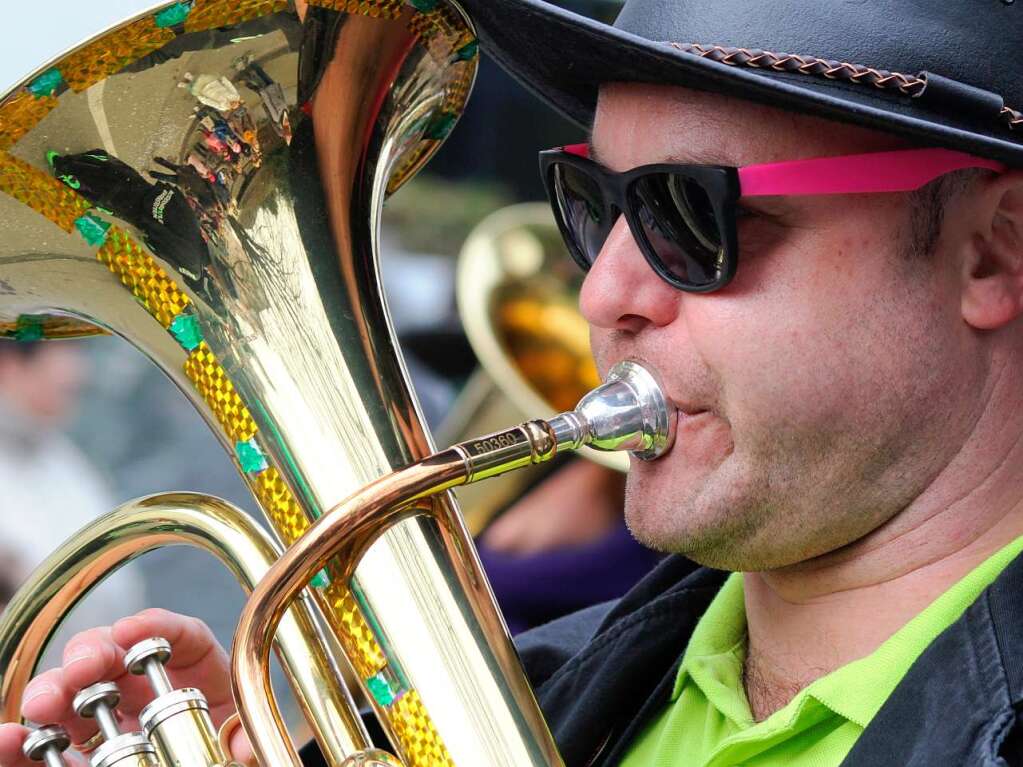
(827, 385)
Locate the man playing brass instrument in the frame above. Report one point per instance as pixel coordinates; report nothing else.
(806, 217)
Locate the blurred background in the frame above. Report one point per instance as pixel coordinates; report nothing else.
(85, 425)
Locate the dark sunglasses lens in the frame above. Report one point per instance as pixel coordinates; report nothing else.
(585, 214)
(680, 227)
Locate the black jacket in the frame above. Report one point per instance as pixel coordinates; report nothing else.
(602, 673)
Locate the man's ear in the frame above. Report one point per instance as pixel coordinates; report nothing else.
(992, 274)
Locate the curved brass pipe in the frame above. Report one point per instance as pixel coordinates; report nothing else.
(345, 532)
(139, 526)
(628, 412)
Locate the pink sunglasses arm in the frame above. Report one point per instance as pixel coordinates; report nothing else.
(902, 170)
(899, 171)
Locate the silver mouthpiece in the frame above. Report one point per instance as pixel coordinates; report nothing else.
(627, 412)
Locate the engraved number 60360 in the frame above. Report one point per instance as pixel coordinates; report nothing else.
(495, 443)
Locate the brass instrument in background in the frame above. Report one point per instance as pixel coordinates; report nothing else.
(205, 181)
(518, 299)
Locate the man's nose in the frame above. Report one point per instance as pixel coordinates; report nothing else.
(622, 291)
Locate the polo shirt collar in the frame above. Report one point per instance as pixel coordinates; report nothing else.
(714, 658)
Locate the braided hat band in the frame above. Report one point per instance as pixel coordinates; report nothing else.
(908, 85)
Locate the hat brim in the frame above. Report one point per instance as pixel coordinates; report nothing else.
(564, 58)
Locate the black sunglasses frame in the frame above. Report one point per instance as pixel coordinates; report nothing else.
(719, 183)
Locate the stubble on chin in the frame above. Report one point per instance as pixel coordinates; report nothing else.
(714, 524)
(774, 508)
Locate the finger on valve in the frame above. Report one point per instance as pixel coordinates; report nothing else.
(22, 747)
(48, 698)
(197, 658)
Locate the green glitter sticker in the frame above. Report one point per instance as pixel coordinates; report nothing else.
(468, 51)
(250, 456)
(46, 84)
(423, 5)
(441, 126)
(171, 17)
(380, 688)
(321, 580)
(92, 228)
(28, 328)
(185, 328)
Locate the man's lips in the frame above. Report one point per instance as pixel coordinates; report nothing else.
(686, 415)
(687, 410)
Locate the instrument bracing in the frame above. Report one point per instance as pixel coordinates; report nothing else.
(206, 182)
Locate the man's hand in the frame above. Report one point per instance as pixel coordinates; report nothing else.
(97, 655)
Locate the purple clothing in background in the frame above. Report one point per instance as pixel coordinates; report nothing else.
(537, 588)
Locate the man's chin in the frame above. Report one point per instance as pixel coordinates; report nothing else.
(706, 525)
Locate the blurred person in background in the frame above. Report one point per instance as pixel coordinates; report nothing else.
(50, 487)
(563, 546)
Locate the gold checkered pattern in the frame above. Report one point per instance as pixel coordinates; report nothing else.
(410, 165)
(41, 192)
(444, 22)
(140, 273)
(112, 53)
(21, 113)
(56, 327)
(212, 383)
(276, 498)
(211, 14)
(458, 88)
(345, 616)
(383, 9)
(416, 733)
(359, 642)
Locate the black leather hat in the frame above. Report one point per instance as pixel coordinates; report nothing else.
(940, 72)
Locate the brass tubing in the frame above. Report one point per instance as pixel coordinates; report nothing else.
(345, 532)
(129, 531)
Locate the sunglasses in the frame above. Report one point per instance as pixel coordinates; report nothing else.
(684, 217)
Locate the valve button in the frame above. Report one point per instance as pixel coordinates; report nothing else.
(38, 741)
(102, 693)
(157, 648)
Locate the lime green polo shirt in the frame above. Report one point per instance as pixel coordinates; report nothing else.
(708, 721)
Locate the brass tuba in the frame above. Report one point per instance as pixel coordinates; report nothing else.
(206, 181)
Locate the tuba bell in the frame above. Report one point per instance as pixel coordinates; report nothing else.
(206, 181)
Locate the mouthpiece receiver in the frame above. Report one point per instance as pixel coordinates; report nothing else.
(629, 411)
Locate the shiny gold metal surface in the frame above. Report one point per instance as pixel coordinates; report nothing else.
(518, 298)
(134, 760)
(234, 538)
(250, 279)
(346, 534)
(628, 412)
(184, 735)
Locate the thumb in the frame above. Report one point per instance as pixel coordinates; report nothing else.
(239, 746)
